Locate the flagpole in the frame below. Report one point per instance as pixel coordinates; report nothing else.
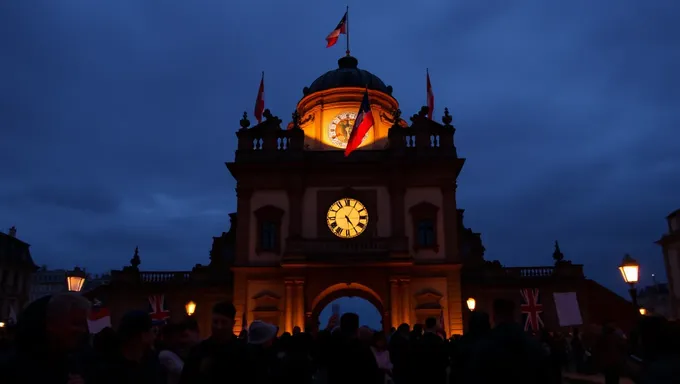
(347, 29)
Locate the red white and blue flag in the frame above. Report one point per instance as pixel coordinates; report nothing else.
(362, 125)
(158, 312)
(531, 309)
(100, 317)
(341, 29)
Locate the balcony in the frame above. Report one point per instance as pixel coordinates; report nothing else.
(370, 249)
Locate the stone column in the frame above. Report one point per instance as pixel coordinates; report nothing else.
(395, 308)
(289, 310)
(406, 301)
(300, 304)
(240, 298)
(450, 217)
(243, 212)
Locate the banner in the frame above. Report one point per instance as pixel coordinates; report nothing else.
(568, 310)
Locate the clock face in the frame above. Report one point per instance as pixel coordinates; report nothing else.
(340, 129)
(347, 218)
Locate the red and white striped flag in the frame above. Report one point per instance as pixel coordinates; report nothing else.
(430, 97)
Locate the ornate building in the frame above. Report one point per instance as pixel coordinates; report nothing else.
(382, 224)
(16, 269)
(670, 243)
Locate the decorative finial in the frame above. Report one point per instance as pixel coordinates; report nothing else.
(136, 260)
(12, 231)
(267, 114)
(558, 256)
(396, 115)
(296, 119)
(447, 119)
(245, 123)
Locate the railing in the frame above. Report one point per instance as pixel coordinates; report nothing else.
(538, 272)
(161, 277)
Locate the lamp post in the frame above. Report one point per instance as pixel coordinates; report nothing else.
(630, 271)
(190, 307)
(75, 279)
(471, 304)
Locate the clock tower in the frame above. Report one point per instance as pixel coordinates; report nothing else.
(314, 225)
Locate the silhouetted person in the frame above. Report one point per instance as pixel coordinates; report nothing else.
(431, 355)
(351, 361)
(609, 354)
(508, 355)
(400, 354)
(221, 357)
(479, 326)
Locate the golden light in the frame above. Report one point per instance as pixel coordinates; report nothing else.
(2, 324)
(75, 279)
(643, 311)
(190, 308)
(471, 304)
(630, 270)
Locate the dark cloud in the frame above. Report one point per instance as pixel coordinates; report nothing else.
(116, 119)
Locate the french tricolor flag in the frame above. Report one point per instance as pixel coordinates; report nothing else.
(100, 317)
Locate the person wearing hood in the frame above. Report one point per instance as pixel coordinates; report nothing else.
(51, 342)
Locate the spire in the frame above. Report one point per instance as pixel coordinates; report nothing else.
(12, 231)
(558, 256)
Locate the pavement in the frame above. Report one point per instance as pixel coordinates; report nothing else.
(576, 378)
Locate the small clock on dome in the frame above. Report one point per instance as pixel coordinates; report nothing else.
(341, 127)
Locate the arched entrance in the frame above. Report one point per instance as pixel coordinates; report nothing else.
(336, 291)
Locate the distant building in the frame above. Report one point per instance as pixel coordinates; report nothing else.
(48, 282)
(656, 299)
(670, 242)
(16, 268)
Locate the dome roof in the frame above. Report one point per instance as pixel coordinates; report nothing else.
(347, 75)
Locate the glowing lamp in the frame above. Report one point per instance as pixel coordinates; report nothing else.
(471, 304)
(643, 311)
(630, 270)
(2, 324)
(75, 279)
(190, 308)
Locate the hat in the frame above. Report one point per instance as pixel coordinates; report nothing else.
(260, 332)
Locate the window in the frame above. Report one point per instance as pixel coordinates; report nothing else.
(426, 237)
(269, 236)
(424, 220)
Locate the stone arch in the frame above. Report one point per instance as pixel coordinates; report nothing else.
(336, 291)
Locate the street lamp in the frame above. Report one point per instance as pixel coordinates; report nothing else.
(643, 311)
(190, 308)
(630, 271)
(2, 324)
(471, 304)
(75, 279)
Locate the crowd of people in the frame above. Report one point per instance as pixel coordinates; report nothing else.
(51, 344)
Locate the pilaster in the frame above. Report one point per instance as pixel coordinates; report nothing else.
(299, 304)
(395, 307)
(454, 303)
(405, 285)
(289, 309)
(240, 299)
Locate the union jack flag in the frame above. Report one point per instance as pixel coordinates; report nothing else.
(158, 312)
(532, 309)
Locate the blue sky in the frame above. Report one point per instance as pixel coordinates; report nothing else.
(116, 118)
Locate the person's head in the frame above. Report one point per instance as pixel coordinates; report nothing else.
(392, 330)
(174, 336)
(135, 330)
(418, 330)
(191, 332)
(404, 329)
(430, 323)
(349, 323)
(223, 315)
(503, 311)
(379, 340)
(262, 334)
(66, 320)
(365, 335)
(479, 323)
(296, 330)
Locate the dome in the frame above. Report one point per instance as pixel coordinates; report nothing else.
(347, 75)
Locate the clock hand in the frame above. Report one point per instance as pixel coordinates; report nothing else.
(349, 221)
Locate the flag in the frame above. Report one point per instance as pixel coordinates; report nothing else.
(341, 29)
(568, 311)
(158, 312)
(362, 124)
(430, 97)
(259, 102)
(532, 309)
(100, 317)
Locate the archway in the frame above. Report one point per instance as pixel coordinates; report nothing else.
(338, 291)
(369, 315)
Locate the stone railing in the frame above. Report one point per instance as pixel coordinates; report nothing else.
(562, 271)
(162, 277)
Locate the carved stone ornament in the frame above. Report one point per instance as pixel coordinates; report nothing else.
(266, 301)
(447, 119)
(428, 299)
(245, 123)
